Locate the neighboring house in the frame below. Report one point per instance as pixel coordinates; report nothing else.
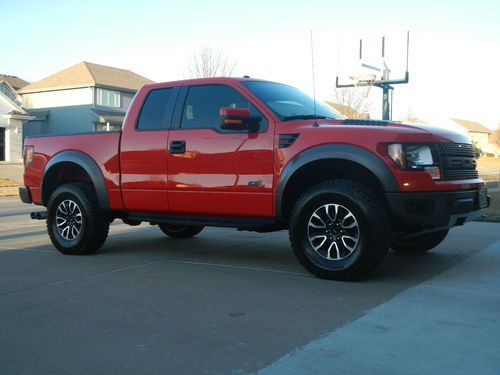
(347, 111)
(478, 133)
(495, 137)
(11, 119)
(15, 82)
(83, 98)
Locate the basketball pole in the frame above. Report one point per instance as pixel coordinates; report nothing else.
(386, 103)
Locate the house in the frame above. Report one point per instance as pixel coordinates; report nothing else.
(347, 111)
(12, 117)
(15, 82)
(478, 133)
(83, 98)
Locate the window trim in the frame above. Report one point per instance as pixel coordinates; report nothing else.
(180, 107)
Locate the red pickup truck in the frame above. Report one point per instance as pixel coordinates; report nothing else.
(260, 156)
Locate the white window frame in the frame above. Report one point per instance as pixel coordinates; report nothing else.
(116, 94)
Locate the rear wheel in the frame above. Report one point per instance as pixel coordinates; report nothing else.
(75, 224)
(339, 230)
(180, 231)
(419, 244)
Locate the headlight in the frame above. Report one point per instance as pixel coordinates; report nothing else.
(416, 157)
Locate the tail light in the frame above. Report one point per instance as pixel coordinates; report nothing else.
(28, 153)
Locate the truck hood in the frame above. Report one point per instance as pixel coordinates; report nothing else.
(394, 131)
(445, 134)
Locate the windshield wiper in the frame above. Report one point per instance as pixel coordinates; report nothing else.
(305, 117)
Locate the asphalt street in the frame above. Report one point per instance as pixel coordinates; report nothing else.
(223, 302)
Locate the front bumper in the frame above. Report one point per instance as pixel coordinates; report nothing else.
(25, 195)
(439, 209)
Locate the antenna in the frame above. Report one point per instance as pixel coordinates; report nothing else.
(313, 80)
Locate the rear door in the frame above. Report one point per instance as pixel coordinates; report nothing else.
(143, 154)
(214, 171)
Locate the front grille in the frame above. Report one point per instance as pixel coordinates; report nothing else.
(458, 161)
(458, 149)
(461, 174)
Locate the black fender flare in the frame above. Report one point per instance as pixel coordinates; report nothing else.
(89, 165)
(339, 152)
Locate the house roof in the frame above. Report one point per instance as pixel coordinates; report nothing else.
(88, 74)
(472, 126)
(14, 81)
(348, 111)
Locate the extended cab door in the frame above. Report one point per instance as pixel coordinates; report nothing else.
(144, 152)
(214, 171)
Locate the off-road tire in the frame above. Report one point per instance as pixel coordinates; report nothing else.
(419, 244)
(368, 212)
(94, 223)
(180, 231)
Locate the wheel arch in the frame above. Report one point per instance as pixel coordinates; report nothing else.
(73, 166)
(329, 162)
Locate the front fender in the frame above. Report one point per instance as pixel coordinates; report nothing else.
(339, 152)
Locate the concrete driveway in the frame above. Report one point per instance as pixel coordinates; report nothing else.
(12, 171)
(224, 302)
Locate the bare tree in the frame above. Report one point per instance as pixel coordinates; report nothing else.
(354, 102)
(208, 62)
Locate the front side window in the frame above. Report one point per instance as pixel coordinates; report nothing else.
(288, 103)
(203, 104)
(108, 98)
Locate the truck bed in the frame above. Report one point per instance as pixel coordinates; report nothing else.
(101, 147)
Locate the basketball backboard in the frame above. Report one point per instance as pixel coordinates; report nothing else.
(369, 60)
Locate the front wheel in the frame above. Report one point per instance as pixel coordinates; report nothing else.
(180, 231)
(75, 224)
(339, 230)
(419, 244)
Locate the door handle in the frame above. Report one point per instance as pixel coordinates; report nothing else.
(177, 147)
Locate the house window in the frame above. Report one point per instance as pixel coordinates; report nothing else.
(12, 96)
(108, 98)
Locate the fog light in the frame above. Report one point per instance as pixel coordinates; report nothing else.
(435, 172)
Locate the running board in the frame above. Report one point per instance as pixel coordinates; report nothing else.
(228, 222)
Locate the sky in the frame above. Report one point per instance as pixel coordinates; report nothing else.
(454, 48)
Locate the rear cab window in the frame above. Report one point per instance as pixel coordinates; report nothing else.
(156, 112)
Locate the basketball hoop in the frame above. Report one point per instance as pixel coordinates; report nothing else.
(363, 80)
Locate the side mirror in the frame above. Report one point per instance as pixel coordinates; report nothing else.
(238, 119)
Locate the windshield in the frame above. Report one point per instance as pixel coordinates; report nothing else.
(288, 103)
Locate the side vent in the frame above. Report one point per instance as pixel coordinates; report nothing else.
(286, 140)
